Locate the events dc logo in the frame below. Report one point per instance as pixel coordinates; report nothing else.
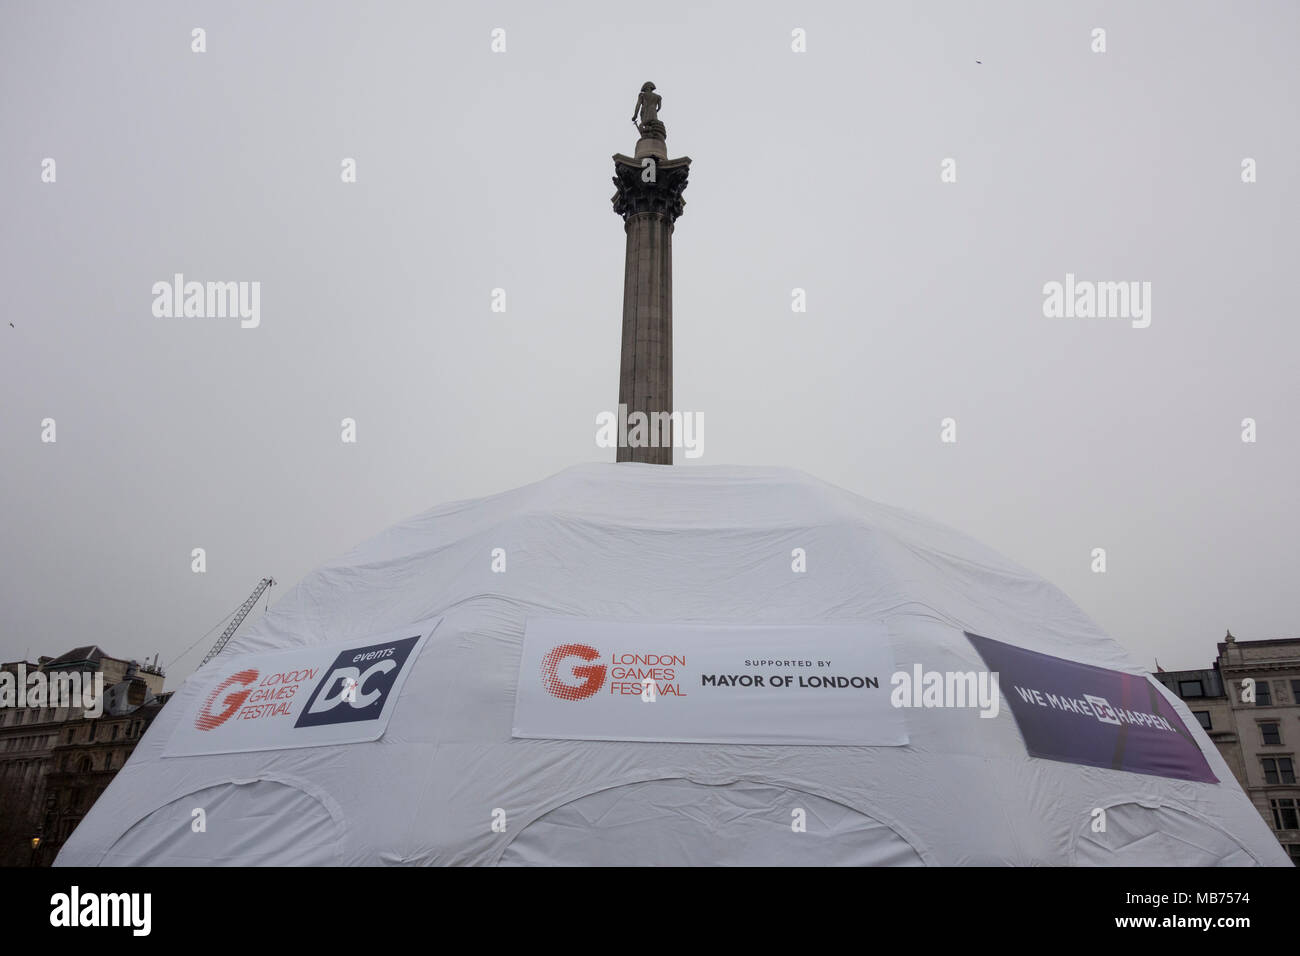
(357, 685)
(1102, 710)
(558, 660)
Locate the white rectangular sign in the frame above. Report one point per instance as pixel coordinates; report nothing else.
(304, 697)
(581, 679)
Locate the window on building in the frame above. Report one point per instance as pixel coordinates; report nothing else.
(1263, 696)
(1294, 850)
(1203, 718)
(115, 729)
(1272, 732)
(1285, 814)
(1278, 770)
(70, 735)
(1295, 691)
(1191, 688)
(88, 765)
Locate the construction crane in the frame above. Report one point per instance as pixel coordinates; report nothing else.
(242, 613)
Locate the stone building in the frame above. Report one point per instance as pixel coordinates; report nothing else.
(54, 761)
(87, 756)
(27, 736)
(1249, 704)
(1203, 692)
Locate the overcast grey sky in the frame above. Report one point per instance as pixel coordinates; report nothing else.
(818, 170)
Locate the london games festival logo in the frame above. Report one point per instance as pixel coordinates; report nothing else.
(570, 672)
(363, 690)
(591, 677)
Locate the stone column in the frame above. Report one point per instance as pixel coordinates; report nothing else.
(649, 198)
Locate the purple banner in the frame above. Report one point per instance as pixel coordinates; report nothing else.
(1090, 715)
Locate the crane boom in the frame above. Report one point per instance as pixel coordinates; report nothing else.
(242, 613)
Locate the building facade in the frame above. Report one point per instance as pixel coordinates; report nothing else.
(1249, 704)
(56, 760)
(84, 760)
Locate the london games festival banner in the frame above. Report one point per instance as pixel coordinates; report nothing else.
(301, 697)
(581, 679)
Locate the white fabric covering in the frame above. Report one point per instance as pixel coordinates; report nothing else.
(643, 542)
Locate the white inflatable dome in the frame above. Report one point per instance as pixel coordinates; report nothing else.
(663, 545)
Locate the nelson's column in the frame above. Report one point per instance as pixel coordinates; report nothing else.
(649, 198)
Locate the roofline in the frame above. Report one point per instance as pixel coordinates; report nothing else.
(1267, 643)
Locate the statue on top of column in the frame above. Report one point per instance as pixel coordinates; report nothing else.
(647, 105)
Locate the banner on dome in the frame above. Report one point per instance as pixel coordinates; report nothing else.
(826, 684)
(304, 697)
(1082, 714)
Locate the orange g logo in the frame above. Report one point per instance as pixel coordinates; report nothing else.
(593, 675)
(207, 720)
